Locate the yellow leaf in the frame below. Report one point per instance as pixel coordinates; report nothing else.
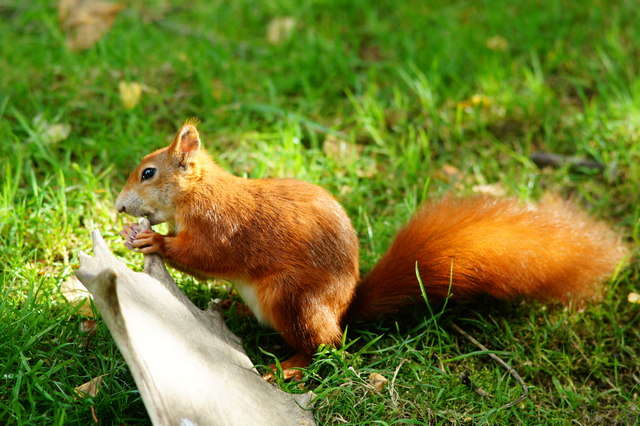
(218, 89)
(477, 100)
(633, 297)
(90, 388)
(497, 43)
(86, 21)
(280, 29)
(378, 381)
(130, 93)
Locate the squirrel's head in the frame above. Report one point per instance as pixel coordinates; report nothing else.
(162, 176)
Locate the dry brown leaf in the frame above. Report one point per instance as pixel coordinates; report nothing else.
(218, 89)
(280, 29)
(494, 189)
(633, 297)
(395, 116)
(370, 52)
(130, 93)
(497, 43)
(86, 21)
(88, 326)
(378, 381)
(90, 388)
(450, 171)
(75, 293)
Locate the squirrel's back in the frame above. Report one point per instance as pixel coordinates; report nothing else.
(466, 247)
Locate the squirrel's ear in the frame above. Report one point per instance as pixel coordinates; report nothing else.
(187, 140)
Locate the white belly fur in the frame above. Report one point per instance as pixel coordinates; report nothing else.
(250, 297)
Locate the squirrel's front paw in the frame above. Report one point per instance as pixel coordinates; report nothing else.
(142, 241)
(148, 242)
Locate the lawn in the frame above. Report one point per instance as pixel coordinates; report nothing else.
(385, 104)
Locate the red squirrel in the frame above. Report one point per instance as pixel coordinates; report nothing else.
(292, 251)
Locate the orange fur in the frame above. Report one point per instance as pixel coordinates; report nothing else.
(551, 252)
(294, 253)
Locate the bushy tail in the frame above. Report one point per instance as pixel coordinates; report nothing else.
(550, 252)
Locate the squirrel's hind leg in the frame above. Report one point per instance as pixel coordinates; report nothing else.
(306, 316)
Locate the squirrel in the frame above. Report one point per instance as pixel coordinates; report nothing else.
(292, 253)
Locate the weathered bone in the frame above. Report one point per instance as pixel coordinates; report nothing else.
(189, 367)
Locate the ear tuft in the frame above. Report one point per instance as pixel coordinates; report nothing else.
(194, 121)
(187, 139)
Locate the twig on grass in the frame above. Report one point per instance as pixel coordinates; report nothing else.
(392, 391)
(548, 159)
(465, 379)
(514, 373)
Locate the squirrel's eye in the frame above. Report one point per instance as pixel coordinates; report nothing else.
(148, 173)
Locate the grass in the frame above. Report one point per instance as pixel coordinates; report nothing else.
(412, 88)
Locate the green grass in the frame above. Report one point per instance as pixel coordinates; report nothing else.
(395, 81)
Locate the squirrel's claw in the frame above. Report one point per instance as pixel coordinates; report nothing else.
(129, 233)
(146, 242)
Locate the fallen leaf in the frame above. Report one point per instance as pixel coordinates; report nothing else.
(130, 93)
(339, 150)
(494, 189)
(86, 21)
(370, 52)
(367, 168)
(75, 293)
(88, 326)
(280, 29)
(51, 132)
(497, 43)
(450, 174)
(395, 116)
(450, 171)
(476, 100)
(345, 190)
(378, 381)
(633, 297)
(90, 388)
(57, 132)
(218, 89)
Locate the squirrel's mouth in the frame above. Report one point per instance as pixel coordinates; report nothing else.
(152, 219)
